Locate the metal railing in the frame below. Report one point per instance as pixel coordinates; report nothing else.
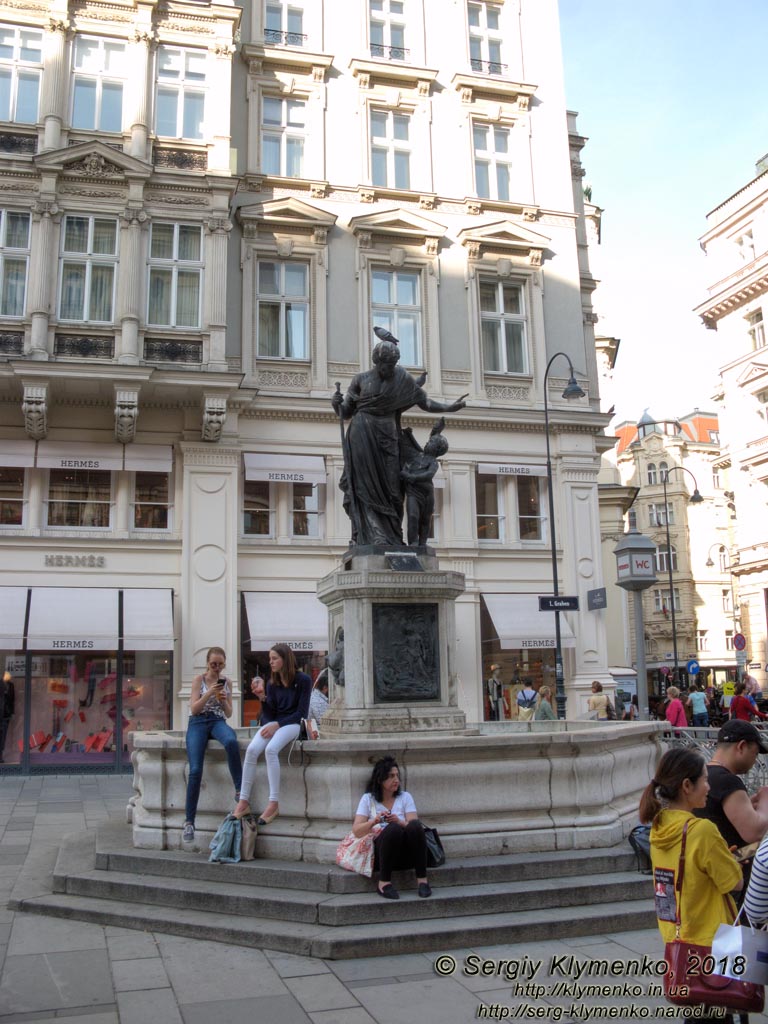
(390, 52)
(488, 67)
(705, 741)
(273, 35)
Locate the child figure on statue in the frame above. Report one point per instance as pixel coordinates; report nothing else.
(420, 466)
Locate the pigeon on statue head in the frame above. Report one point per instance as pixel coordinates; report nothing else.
(384, 335)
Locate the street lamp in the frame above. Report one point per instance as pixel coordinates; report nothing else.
(694, 499)
(572, 391)
(728, 567)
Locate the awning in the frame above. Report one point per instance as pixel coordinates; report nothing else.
(520, 624)
(147, 620)
(13, 610)
(512, 469)
(79, 455)
(17, 453)
(298, 620)
(292, 469)
(149, 458)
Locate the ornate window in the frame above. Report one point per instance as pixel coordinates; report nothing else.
(283, 23)
(529, 508)
(282, 310)
(151, 502)
(503, 326)
(11, 496)
(14, 260)
(387, 29)
(490, 521)
(88, 269)
(180, 93)
(79, 498)
(652, 478)
(21, 60)
(305, 510)
(662, 560)
(175, 274)
(657, 515)
(390, 149)
(282, 136)
(484, 38)
(396, 306)
(97, 92)
(661, 600)
(492, 161)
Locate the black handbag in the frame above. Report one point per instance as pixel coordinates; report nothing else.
(435, 851)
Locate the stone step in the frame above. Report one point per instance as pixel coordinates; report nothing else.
(419, 934)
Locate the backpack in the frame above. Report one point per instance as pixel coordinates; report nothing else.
(640, 841)
(526, 702)
(610, 710)
(225, 845)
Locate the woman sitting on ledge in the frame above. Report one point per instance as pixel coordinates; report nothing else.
(401, 845)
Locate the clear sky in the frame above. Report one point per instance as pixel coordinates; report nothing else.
(672, 97)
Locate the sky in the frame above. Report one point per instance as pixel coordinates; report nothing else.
(672, 97)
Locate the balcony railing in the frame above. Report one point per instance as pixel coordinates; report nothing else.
(390, 52)
(488, 67)
(275, 36)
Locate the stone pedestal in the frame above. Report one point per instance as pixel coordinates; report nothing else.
(399, 645)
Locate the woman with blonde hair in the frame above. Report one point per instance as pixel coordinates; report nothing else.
(544, 711)
(675, 712)
(598, 702)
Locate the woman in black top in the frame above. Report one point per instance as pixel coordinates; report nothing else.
(285, 704)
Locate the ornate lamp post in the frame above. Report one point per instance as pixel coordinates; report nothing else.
(694, 499)
(572, 390)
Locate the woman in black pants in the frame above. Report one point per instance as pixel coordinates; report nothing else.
(399, 843)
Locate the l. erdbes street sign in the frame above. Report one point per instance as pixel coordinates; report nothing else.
(558, 604)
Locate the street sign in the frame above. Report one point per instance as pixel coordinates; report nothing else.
(739, 641)
(665, 670)
(558, 604)
(596, 599)
(693, 667)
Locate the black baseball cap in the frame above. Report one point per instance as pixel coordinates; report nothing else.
(735, 730)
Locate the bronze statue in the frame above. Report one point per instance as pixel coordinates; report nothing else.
(417, 474)
(371, 481)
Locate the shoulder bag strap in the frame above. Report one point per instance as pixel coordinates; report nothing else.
(679, 882)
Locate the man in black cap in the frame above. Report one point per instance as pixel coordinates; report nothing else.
(740, 819)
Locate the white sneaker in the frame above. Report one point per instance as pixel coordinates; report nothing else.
(188, 835)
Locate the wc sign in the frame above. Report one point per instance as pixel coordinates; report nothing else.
(633, 563)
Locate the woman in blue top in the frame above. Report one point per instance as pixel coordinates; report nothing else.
(282, 709)
(697, 702)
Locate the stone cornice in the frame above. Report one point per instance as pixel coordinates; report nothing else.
(735, 291)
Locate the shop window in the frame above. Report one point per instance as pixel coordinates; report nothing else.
(97, 91)
(662, 559)
(21, 60)
(489, 518)
(396, 306)
(492, 161)
(529, 515)
(88, 269)
(79, 498)
(180, 93)
(652, 478)
(258, 515)
(11, 497)
(387, 29)
(503, 327)
(151, 503)
(484, 38)
(282, 310)
(284, 24)
(14, 260)
(390, 149)
(305, 510)
(175, 274)
(283, 133)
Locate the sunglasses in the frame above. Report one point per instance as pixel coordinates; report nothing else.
(217, 664)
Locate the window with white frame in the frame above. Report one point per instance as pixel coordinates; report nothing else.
(435, 523)
(756, 329)
(661, 600)
(305, 510)
(662, 559)
(652, 473)
(258, 513)
(11, 496)
(151, 501)
(716, 477)
(483, 21)
(396, 306)
(97, 90)
(632, 519)
(21, 61)
(88, 268)
(492, 160)
(390, 149)
(489, 518)
(282, 298)
(14, 261)
(503, 326)
(529, 508)
(387, 29)
(284, 24)
(283, 131)
(729, 640)
(702, 639)
(726, 600)
(663, 471)
(79, 498)
(180, 93)
(175, 275)
(657, 516)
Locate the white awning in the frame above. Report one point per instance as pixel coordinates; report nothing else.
(298, 620)
(13, 609)
(512, 469)
(149, 458)
(147, 620)
(520, 624)
(72, 618)
(17, 453)
(292, 469)
(79, 455)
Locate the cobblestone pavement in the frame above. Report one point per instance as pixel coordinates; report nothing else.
(67, 971)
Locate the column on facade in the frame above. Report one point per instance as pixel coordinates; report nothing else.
(129, 284)
(221, 88)
(216, 289)
(138, 92)
(209, 598)
(45, 216)
(54, 90)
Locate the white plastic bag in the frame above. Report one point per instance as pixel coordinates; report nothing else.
(735, 940)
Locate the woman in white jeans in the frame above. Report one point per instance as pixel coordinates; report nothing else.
(282, 709)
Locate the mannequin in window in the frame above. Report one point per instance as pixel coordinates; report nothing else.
(7, 708)
(495, 691)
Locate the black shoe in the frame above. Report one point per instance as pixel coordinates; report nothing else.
(424, 890)
(389, 892)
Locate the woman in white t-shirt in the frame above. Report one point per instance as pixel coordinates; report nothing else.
(401, 845)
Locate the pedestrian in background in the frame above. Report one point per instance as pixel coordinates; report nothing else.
(697, 702)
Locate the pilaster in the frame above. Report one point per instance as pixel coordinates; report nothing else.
(129, 284)
(54, 92)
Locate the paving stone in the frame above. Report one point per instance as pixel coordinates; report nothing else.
(202, 972)
(53, 981)
(440, 1000)
(322, 992)
(288, 965)
(33, 934)
(80, 1016)
(382, 966)
(126, 944)
(271, 1009)
(352, 1015)
(157, 1006)
(137, 975)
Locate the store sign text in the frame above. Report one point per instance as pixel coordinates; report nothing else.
(76, 561)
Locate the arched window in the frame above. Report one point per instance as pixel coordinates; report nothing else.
(662, 564)
(652, 473)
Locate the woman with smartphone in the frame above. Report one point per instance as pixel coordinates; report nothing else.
(210, 705)
(401, 845)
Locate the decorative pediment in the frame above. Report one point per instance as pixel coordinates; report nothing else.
(93, 160)
(473, 86)
(753, 374)
(383, 72)
(397, 226)
(505, 238)
(293, 59)
(287, 215)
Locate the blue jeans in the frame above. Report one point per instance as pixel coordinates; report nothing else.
(700, 721)
(200, 729)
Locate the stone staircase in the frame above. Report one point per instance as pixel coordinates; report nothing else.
(318, 910)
